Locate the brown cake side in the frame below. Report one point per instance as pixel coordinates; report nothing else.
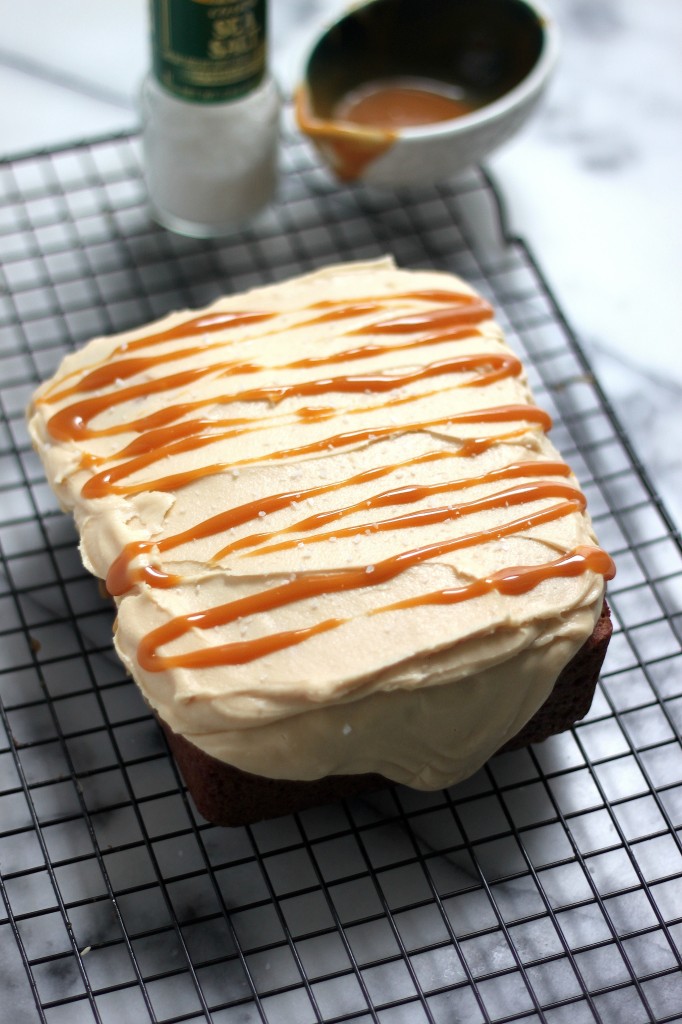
(226, 795)
(571, 697)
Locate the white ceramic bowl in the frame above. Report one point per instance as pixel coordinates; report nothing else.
(500, 51)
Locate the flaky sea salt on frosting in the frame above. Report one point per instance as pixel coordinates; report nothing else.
(337, 534)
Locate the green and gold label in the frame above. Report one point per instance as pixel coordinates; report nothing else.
(208, 51)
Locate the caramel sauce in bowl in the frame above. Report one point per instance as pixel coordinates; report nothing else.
(409, 92)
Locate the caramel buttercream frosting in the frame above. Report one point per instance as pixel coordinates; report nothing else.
(337, 534)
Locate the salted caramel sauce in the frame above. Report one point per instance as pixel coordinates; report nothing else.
(375, 349)
(351, 147)
(337, 309)
(114, 370)
(122, 575)
(201, 325)
(342, 312)
(517, 579)
(168, 432)
(429, 319)
(366, 122)
(500, 366)
(402, 103)
(445, 295)
(411, 493)
(158, 433)
(104, 483)
(303, 587)
(426, 517)
(284, 441)
(315, 413)
(72, 422)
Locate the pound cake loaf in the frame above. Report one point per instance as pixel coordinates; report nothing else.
(342, 547)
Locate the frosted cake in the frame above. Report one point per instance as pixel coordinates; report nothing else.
(341, 545)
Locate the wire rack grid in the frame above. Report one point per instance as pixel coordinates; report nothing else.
(546, 888)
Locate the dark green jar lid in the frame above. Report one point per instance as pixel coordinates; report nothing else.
(209, 51)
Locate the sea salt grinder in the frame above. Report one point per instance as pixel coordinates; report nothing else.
(210, 115)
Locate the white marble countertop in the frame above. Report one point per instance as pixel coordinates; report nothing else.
(592, 183)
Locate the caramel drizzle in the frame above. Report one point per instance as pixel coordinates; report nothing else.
(424, 517)
(515, 581)
(122, 575)
(168, 431)
(204, 324)
(368, 351)
(72, 422)
(315, 585)
(473, 310)
(518, 579)
(411, 493)
(104, 483)
(161, 436)
(435, 320)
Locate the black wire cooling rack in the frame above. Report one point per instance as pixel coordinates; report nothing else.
(546, 888)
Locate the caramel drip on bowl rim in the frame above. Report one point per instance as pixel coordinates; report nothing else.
(175, 429)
